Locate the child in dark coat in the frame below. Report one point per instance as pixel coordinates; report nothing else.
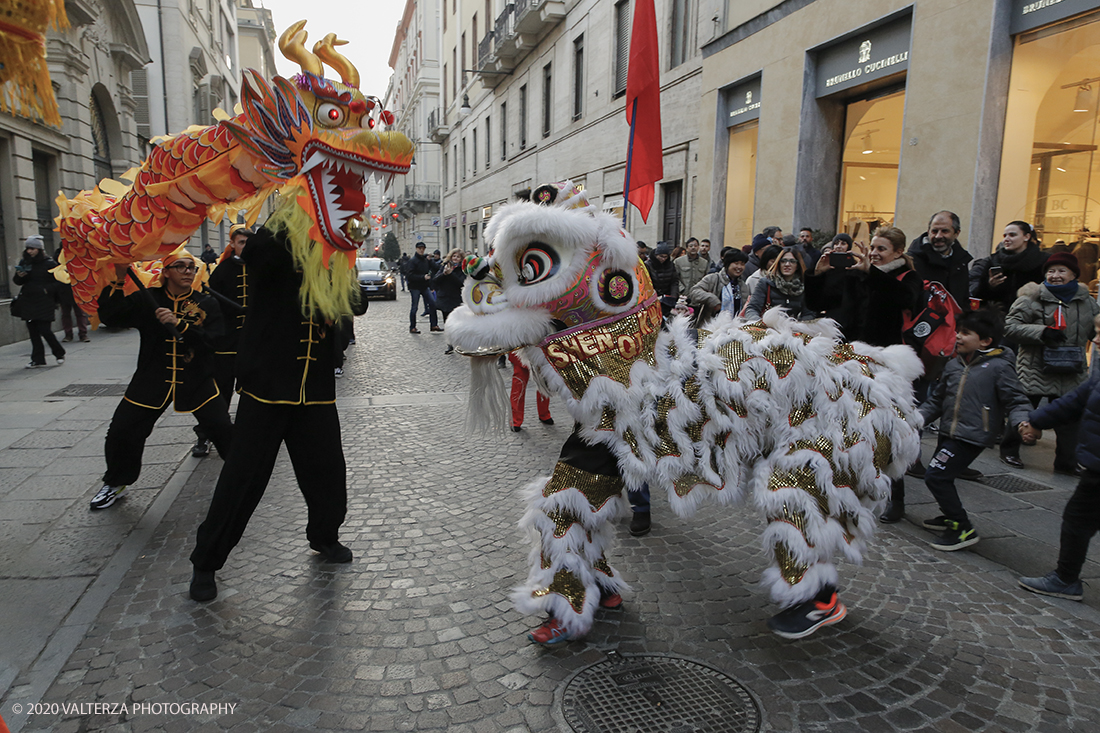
(1081, 518)
(974, 393)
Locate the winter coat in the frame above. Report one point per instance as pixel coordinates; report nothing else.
(972, 399)
(825, 292)
(872, 304)
(951, 271)
(690, 271)
(448, 288)
(707, 295)
(39, 293)
(767, 296)
(416, 269)
(1032, 312)
(1020, 270)
(666, 281)
(1083, 404)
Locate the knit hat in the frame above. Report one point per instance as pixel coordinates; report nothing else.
(842, 237)
(34, 242)
(1066, 259)
(759, 242)
(663, 248)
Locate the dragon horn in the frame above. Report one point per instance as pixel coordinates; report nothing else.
(325, 49)
(292, 45)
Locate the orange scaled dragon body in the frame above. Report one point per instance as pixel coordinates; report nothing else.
(310, 137)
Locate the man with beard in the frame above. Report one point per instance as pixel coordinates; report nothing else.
(418, 274)
(939, 257)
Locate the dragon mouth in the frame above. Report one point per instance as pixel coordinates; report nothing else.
(336, 179)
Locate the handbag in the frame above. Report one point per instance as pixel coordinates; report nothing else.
(16, 307)
(1063, 360)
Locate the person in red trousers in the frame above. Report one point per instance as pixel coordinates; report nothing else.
(520, 375)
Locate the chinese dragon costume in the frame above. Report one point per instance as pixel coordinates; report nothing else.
(309, 139)
(812, 429)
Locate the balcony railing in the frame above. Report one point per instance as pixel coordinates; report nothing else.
(419, 199)
(506, 24)
(484, 48)
(437, 131)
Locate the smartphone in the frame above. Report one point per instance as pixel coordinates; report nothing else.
(841, 259)
(994, 270)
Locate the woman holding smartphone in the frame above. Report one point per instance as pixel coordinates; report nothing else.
(1017, 262)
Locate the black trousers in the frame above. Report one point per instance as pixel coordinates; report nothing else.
(949, 460)
(312, 437)
(1065, 443)
(1080, 521)
(225, 379)
(39, 331)
(130, 428)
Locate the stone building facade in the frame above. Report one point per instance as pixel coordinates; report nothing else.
(90, 65)
(534, 91)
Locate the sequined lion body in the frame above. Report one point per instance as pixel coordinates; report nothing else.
(810, 428)
(310, 138)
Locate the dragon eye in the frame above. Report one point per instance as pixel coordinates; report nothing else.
(537, 263)
(331, 115)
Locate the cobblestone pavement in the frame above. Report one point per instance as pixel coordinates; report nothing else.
(417, 633)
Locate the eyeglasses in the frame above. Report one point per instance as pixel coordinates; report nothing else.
(183, 268)
(788, 262)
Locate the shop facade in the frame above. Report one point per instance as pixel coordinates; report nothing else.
(846, 116)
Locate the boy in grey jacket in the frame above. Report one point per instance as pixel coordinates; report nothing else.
(972, 397)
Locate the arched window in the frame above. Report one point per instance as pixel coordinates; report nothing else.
(101, 148)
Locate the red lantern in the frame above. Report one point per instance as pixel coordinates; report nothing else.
(393, 205)
(394, 215)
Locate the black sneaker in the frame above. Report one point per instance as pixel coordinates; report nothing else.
(804, 619)
(916, 470)
(895, 510)
(201, 449)
(203, 588)
(106, 496)
(939, 524)
(970, 474)
(639, 524)
(333, 553)
(955, 537)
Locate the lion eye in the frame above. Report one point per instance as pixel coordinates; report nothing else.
(538, 262)
(332, 115)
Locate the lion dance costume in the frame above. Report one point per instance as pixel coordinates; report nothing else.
(812, 428)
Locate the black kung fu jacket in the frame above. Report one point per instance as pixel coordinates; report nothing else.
(230, 278)
(168, 370)
(283, 356)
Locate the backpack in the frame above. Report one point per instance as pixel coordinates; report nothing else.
(930, 328)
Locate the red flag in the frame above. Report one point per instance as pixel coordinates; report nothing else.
(645, 153)
(1059, 323)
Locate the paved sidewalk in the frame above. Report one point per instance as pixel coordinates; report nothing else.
(417, 633)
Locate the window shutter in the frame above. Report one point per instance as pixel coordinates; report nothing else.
(139, 82)
(622, 44)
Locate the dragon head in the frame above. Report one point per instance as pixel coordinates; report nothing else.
(557, 266)
(319, 136)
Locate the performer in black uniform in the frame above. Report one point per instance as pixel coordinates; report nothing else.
(169, 372)
(288, 395)
(230, 278)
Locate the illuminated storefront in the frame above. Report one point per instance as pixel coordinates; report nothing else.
(1050, 170)
(884, 112)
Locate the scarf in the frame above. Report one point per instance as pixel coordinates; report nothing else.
(893, 265)
(731, 297)
(1029, 259)
(1064, 292)
(791, 288)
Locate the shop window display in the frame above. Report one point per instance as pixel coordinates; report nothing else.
(1050, 170)
(741, 184)
(869, 176)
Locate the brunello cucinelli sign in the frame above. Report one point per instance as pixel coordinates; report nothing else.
(743, 102)
(1028, 14)
(868, 54)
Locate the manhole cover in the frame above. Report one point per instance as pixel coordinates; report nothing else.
(1012, 484)
(90, 390)
(643, 693)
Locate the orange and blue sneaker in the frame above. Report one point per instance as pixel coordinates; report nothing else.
(803, 619)
(551, 633)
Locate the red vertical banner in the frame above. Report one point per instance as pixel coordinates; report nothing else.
(645, 151)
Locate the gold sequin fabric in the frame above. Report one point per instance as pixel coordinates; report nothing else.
(563, 519)
(608, 350)
(566, 585)
(804, 479)
(791, 570)
(597, 488)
